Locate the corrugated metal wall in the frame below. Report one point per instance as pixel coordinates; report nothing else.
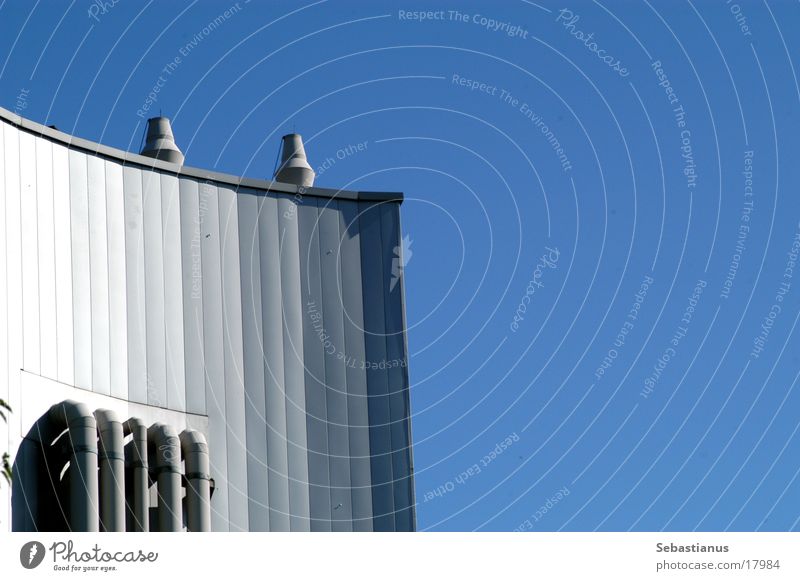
(274, 315)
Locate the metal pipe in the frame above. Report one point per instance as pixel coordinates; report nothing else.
(112, 471)
(198, 481)
(140, 479)
(167, 468)
(80, 422)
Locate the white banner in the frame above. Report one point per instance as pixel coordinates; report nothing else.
(493, 556)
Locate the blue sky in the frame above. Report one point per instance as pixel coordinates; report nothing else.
(602, 203)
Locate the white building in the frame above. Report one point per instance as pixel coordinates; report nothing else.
(259, 317)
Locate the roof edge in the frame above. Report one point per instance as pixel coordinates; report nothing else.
(128, 158)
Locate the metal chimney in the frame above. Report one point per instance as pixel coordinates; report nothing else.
(160, 142)
(294, 168)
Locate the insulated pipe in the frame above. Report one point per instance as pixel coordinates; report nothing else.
(82, 427)
(112, 472)
(138, 447)
(168, 476)
(198, 481)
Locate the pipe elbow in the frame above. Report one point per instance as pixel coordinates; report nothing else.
(193, 441)
(167, 446)
(70, 412)
(107, 420)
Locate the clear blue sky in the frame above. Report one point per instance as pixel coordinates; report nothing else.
(614, 145)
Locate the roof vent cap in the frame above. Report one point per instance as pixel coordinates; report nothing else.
(160, 142)
(294, 168)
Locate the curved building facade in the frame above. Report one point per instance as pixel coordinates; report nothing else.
(196, 350)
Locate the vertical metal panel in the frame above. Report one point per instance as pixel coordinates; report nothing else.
(30, 254)
(5, 506)
(272, 328)
(98, 275)
(335, 372)
(81, 284)
(192, 269)
(292, 304)
(13, 271)
(377, 381)
(314, 336)
(234, 360)
(135, 284)
(214, 355)
(355, 356)
(173, 294)
(154, 290)
(396, 367)
(117, 308)
(47, 258)
(255, 407)
(63, 264)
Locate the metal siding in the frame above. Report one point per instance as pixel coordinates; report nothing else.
(117, 308)
(234, 361)
(272, 328)
(314, 367)
(5, 503)
(81, 284)
(47, 258)
(135, 284)
(214, 357)
(13, 236)
(98, 276)
(292, 305)
(377, 380)
(173, 294)
(30, 254)
(355, 356)
(396, 369)
(63, 264)
(154, 290)
(335, 372)
(192, 296)
(255, 407)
